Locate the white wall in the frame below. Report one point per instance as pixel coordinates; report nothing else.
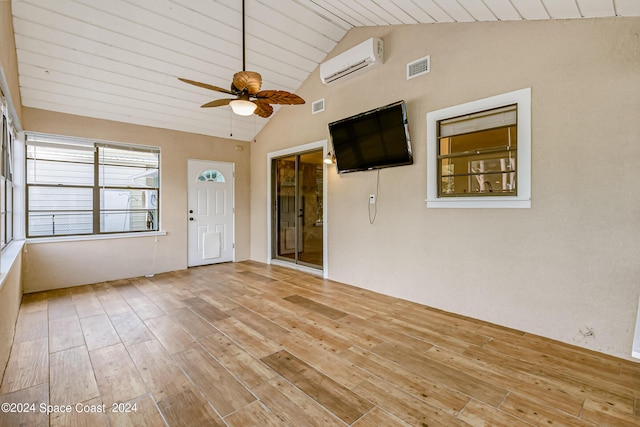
(569, 261)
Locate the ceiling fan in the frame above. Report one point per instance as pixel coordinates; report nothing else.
(245, 86)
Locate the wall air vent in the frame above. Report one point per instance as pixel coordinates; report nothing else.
(418, 67)
(317, 106)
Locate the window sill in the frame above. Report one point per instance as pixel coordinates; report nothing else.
(479, 202)
(95, 237)
(8, 257)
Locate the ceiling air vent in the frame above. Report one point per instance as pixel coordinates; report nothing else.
(418, 67)
(317, 106)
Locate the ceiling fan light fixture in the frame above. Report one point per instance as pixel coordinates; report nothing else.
(243, 107)
(246, 85)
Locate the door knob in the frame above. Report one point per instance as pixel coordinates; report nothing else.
(190, 210)
(190, 218)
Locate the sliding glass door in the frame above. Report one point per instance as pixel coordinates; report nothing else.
(297, 229)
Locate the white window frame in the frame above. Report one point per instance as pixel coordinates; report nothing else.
(13, 250)
(520, 97)
(7, 180)
(35, 138)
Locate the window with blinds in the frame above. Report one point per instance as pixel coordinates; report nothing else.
(78, 187)
(477, 154)
(6, 174)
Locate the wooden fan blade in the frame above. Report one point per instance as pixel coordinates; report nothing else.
(279, 97)
(216, 103)
(247, 80)
(263, 108)
(207, 86)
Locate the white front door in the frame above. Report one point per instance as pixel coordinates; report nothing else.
(210, 212)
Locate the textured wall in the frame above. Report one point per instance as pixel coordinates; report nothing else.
(10, 297)
(571, 261)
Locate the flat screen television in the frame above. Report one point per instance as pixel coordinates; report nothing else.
(372, 140)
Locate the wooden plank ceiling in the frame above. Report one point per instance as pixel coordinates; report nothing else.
(120, 59)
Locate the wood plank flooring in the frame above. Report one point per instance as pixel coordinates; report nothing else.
(247, 344)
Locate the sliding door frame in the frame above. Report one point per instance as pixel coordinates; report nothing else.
(271, 257)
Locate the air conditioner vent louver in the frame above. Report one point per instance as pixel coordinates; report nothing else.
(350, 69)
(418, 67)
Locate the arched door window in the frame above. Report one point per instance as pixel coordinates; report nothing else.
(211, 175)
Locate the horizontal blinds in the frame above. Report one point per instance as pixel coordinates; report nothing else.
(42, 140)
(499, 117)
(61, 146)
(119, 163)
(130, 147)
(58, 142)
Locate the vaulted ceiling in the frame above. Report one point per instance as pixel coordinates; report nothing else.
(120, 59)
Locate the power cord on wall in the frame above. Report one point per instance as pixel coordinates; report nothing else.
(151, 272)
(373, 205)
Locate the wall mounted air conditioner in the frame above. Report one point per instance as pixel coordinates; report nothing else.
(354, 61)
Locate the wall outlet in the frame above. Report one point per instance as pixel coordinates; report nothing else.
(587, 331)
(372, 199)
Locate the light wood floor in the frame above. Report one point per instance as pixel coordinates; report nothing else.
(251, 345)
